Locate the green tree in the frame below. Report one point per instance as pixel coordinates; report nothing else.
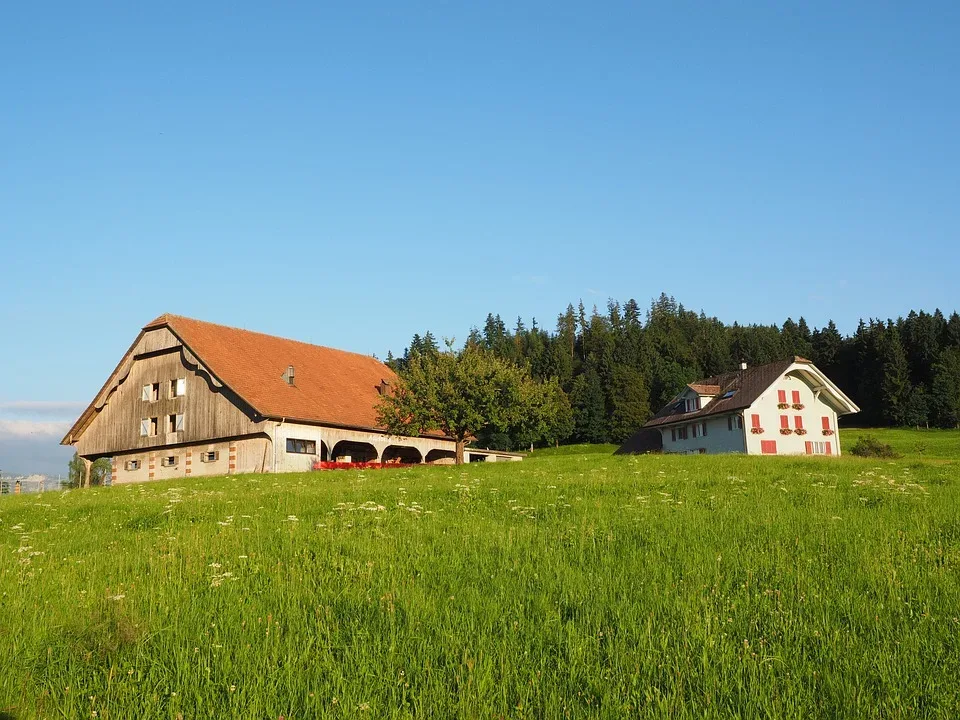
(895, 388)
(945, 393)
(458, 393)
(630, 403)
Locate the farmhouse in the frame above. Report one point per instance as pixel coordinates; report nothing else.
(783, 408)
(193, 398)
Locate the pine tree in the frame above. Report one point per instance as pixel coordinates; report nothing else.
(895, 388)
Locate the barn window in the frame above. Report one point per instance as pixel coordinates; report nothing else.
(131, 465)
(210, 456)
(301, 447)
(175, 423)
(178, 388)
(151, 392)
(169, 461)
(148, 427)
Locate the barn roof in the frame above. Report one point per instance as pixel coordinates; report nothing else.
(333, 387)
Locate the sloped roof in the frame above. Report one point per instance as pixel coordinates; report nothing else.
(645, 440)
(330, 386)
(704, 389)
(747, 385)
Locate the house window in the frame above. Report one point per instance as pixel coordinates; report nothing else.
(210, 456)
(768, 447)
(673, 434)
(175, 423)
(150, 393)
(168, 461)
(784, 422)
(178, 388)
(682, 432)
(781, 396)
(798, 422)
(301, 447)
(131, 465)
(826, 422)
(755, 421)
(818, 448)
(699, 429)
(148, 427)
(735, 422)
(796, 397)
(289, 376)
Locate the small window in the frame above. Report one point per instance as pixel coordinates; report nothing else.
(301, 447)
(817, 448)
(728, 394)
(781, 396)
(178, 388)
(169, 461)
(796, 397)
(289, 376)
(825, 420)
(798, 422)
(150, 393)
(175, 423)
(148, 427)
(210, 456)
(768, 447)
(673, 434)
(131, 465)
(785, 422)
(755, 421)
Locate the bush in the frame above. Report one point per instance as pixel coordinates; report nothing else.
(871, 447)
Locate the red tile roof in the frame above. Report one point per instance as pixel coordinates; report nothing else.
(330, 386)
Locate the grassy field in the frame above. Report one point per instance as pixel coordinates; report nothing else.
(935, 444)
(574, 584)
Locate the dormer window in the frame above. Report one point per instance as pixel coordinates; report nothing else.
(382, 387)
(289, 377)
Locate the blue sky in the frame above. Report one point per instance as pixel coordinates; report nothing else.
(349, 176)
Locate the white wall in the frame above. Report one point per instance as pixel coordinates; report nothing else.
(814, 409)
(719, 439)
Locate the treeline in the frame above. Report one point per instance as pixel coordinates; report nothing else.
(620, 366)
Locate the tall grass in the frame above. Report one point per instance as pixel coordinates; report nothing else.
(569, 585)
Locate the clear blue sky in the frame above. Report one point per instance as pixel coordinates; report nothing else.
(352, 176)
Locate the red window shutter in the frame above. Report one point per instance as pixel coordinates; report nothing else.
(809, 446)
(768, 447)
(755, 420)
(796, 396)
(798, 422)
(785, 422)
(673, 434)
(826, 422)
(781, 396)
(829, 449)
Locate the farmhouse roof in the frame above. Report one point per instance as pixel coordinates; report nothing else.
(330, 386)
(739, 390)
(704, 389)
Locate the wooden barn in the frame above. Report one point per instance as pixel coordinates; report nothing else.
(194, 398)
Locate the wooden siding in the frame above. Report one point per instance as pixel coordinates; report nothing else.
(210, 412)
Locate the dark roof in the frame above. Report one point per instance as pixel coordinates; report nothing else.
(747, 385)
(644, 441)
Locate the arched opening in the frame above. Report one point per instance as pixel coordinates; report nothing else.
(401, 454)
(324, 451)
(358, 452)
(441, 457)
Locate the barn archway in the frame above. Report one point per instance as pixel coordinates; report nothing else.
(442, 457)
(349, 451)
(401, 453)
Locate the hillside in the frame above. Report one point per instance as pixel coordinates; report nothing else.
(574, 584)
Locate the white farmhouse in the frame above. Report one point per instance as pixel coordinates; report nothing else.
(783, 408)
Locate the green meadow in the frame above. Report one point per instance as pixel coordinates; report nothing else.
(573, 584)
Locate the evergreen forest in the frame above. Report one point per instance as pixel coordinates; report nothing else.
(619, 366)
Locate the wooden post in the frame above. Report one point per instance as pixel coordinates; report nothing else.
(85, 480)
